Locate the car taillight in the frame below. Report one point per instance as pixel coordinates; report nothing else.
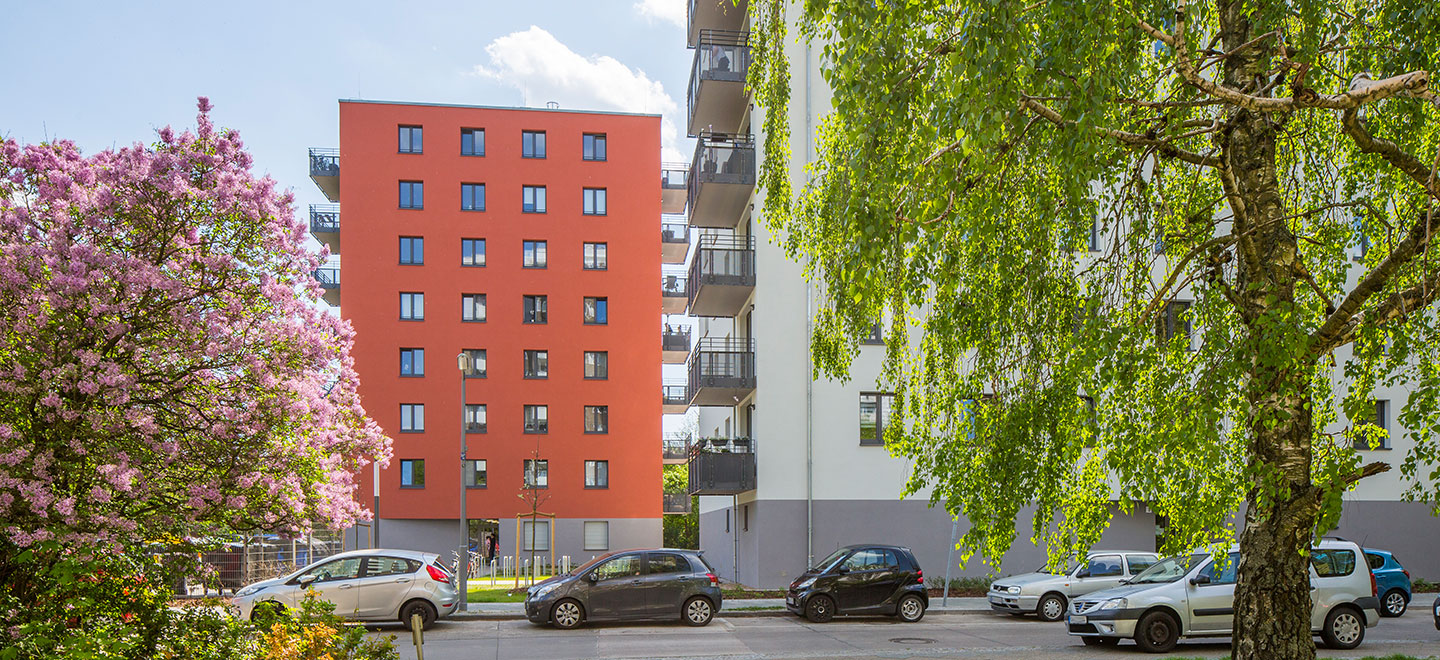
(714, 581)
(437, 574)
(1406, 572)
(919, 576)
(1374, 588)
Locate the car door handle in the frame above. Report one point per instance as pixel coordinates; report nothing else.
(402, 580)
(346, 586)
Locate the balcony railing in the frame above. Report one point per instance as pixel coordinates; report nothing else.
(674, 294)
(722, 275)
(329, 279)
(713, 15)
(675, 339)
(673, 178)
(722, 371)
(325, 225)
(722, 176)
(325, 171)
(675, 397)
(677, 503)
(676, 449)
(716, 99)
(722, 469)
(674, 239)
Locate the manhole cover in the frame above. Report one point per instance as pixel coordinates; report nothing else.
(912, 640)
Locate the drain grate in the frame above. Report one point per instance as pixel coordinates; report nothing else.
(912, 640)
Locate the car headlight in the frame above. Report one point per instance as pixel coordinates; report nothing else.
(804, 584)
(1115, 604)
(252, 589)
(544, 589)
(1013, 590)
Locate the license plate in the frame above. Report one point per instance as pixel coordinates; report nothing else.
(996, 599)
(1076, 620)
(789, 600)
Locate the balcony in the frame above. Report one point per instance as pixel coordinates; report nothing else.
(674, 241)
(722, 371)
(674, 345)
(713, 15)
(676, 450)
(722, 469)
(722, 177)
(717, 98)
(325, 171)
(722, 275)
(676, 503)
(330, 281)
(672, 186)
(674, 295)
(675, 398)
(325, 225)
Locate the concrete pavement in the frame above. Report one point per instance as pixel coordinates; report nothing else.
(731, 608)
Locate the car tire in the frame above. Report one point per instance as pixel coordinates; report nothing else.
(910, 608)
(820, 608)
(698, 611)
(1157, 632)
(567, 614)
(424, 609)
(1100, 641)
(1344, 628)
(1394, 603)
(266, 611)
(1051, 607)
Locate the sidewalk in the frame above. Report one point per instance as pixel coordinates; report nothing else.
(730, 608)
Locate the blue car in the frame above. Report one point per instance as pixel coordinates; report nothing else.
(1392, 581)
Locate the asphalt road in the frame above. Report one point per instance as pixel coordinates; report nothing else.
(785, 637)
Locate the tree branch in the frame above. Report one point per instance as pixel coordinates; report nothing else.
(1397, 305)
(1162, 147)
(1413, 167)
(1347, 315)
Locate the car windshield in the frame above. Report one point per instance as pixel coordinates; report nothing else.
(1169, 570)
(1044, 568)
(829, 562)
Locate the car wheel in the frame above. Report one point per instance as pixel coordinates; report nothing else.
(266, 612)
(1394, 603)
(568, 614)
(698, 611)
(910, 608)
(1051, 607)
(1157, 632)
(1344, 629)
(820, 609)
(424, 609)
(1100, 641)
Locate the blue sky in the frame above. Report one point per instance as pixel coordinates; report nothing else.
(110, 73)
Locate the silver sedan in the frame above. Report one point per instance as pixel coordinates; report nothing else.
(366, 585)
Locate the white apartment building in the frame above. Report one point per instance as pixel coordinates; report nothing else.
(799, 470)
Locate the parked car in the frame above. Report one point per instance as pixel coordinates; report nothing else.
(1047, 593)
(861, 579)
(1392, 581)
(1193, 596)
(1437, 612)
(632, 584)
(367, 585)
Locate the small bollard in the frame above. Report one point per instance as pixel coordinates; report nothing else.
(417, 634)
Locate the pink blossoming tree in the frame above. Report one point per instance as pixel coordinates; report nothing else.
(165, 368)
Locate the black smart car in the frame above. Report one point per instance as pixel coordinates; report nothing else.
(861, 579)
(633, 584)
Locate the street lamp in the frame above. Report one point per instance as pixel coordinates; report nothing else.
(462, 568)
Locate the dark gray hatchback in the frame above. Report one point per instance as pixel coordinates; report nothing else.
(861, 579)
(629, 585)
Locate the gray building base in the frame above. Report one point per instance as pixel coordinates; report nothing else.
(442, 537)
(1407, 529)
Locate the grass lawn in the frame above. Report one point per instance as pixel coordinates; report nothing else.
(504, 590)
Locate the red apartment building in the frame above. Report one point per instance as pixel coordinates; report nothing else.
(527, 238)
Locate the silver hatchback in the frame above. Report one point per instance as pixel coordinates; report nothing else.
(366, 585)
(1047, 594)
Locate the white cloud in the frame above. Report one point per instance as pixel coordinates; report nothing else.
(543, 69)
(669, 11)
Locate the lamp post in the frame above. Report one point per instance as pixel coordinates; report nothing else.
(462, 568)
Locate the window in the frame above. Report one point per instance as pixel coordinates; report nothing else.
(597, 419)
(875, 411)
(620, 567)
(1332, 563)
(1177, 321)
(1139, 563)
(597, 535)
(472, 142)
(533, 254)
(472, 252)
(472, 197)
(594, 201)
(532, 199)
(597, 474)
(412, 306)
(595, 311)
(472, 307)
(1105, 566)
(1362, 239)
(378, 566)
(412, 473)
(867, 560)
(597, 365)
(477, 363)
(340, 569)
(475, 418)
(410, 140)
(532, 144)
(1095, 235)
(594, 146)
(665, 562)
(595, 256)
(537, 473)
(1375, 561)
(1223, 571)
(412, 194)
(412, 417)
(412, 362)
(537, 535)
(412, 250)
(537, 364)
(537, 419)
(475, 473)
(534, 309)
(1380, 420)
(875, 336)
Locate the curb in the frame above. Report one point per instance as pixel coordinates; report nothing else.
(722, 614)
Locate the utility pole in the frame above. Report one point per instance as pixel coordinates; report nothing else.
(462, 562)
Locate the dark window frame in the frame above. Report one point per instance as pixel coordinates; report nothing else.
(598, 485)
(602, 365)
(602, 414)
(533, 145)
(414, 407)
(411, 252)
(540, 426)
(602, 310)
(538, 199)
(467, 305)
(594, 201)
(415, 295)
(467, 196)
(535, 309)
(594, 147)
(882, 420)
(473, 243)
(537, 463)
(410, 131)
(483, 473)
(471, 133)
(595, 256)
(408, 188)
(483, 356)
(531, 364)
(484, 411)
(414, 462)
(414, 352)
(534, 254)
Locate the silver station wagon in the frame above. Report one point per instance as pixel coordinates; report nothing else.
(1047, 594)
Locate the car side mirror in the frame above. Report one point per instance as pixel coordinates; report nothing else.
(1082, 573)
(305, 580)
(842, 570)
(1125, 581)
(1200, 579)
(592, 577)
